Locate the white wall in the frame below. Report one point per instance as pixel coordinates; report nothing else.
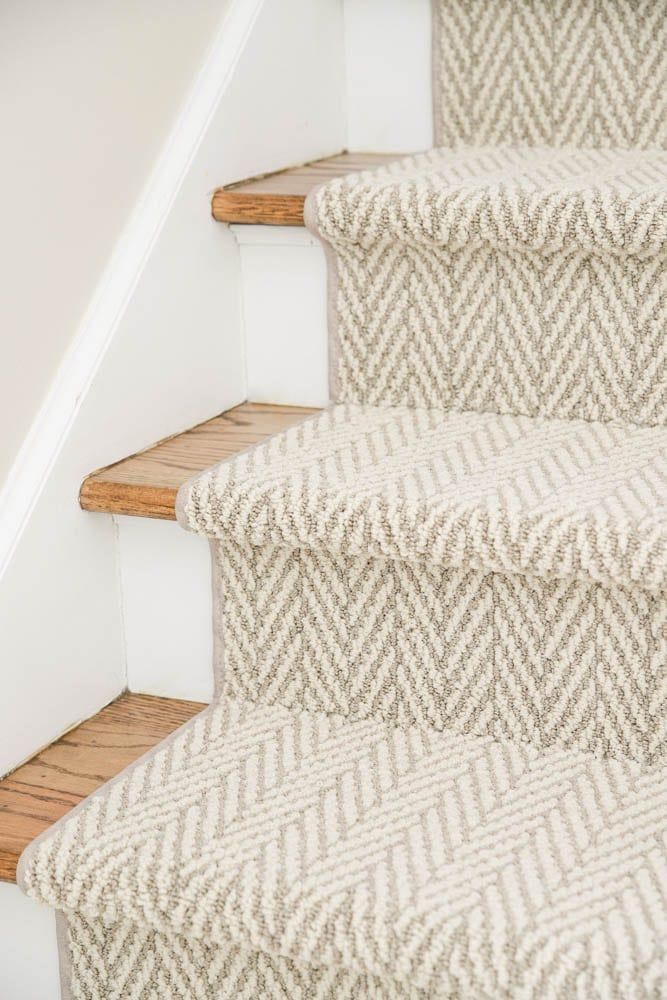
(88, 93)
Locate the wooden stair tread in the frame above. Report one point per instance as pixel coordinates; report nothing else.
(278, 199)
(146, 484)
(39, 792)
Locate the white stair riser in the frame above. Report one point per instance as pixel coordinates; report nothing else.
(284, 307)
(28, 948)
(388, 72)
(164, 575)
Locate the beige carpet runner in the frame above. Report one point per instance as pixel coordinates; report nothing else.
(435, 766)
(270, 852)
(524, 281)
(550, 72)
(505, 576)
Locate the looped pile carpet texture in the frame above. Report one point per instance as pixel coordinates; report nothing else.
(556, 72)
(497, 575)
(435, 763)
(522, 281)
(391, 863)
(546, 498)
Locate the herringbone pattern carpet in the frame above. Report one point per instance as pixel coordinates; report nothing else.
(455, 866)
(548, 498)
(514, 281)
(126, 961)
(485, 574)
(554, 72)
(555, 662)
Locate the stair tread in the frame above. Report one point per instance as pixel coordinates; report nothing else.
(277, 199)
(382, 851)
(38, 793)
(146, 484)
(541, 198)
(528, 495)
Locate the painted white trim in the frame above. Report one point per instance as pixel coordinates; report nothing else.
(44, 441)
(284, 305)
(119, 598)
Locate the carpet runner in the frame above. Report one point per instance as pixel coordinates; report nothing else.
(435, 762)
(270, 852)
(497, 575)
(524, 281)
(550, 72)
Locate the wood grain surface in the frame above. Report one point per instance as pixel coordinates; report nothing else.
(146, 484)
(278, 199)
(56, 779)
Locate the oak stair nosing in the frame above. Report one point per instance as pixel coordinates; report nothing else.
(278, 198)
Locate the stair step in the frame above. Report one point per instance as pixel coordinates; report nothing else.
(263, 845)
(538, 496)
(457, 285)
(59, 777)
(442, 569)
(278, 199)
(146, 484)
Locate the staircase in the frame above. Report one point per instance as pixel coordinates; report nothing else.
(434, 765)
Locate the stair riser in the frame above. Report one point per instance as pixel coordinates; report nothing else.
(557, 663)
(284, 296)
(164, 579)
(561, 334)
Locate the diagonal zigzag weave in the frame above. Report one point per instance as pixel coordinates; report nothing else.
(517, 281)
(547, 498)
(550, 72)
(447, 569)
(435, 765)
(266, 852)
